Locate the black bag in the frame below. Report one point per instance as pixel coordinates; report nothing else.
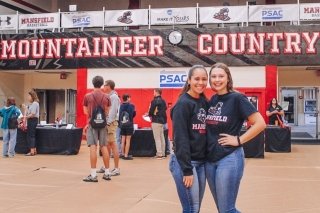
(124, 120)
(98, 117)
(13, 120)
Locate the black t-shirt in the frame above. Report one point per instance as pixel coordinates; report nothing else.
(226, 114)
(273, 117)
(189, 130)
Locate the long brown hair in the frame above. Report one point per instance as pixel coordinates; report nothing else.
(186, 86)
(226, 69)
(34, 96)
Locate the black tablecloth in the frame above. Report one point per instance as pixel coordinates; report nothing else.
(255, 147)
(142, 143)
(52, 141)
(277, 139)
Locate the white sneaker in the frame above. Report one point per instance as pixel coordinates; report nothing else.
(115, 172)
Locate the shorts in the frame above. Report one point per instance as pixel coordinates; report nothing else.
(96, 135)
(126, 131)
(111, 130)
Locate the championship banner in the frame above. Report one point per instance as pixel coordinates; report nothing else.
(273, 13)
(172, 16)
(82, 19)
(232, 14)
(39, 21)
(8, 22)
(126, 17)
(309, 11)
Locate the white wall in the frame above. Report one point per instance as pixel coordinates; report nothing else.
(150, 77)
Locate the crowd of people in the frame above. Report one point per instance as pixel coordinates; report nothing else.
(207, 145)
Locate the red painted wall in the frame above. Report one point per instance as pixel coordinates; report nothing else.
(271, 85)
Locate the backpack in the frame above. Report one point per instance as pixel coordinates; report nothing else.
(98, 117)
(124, 119)
(13, 119)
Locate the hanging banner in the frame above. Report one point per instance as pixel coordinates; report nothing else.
(273, 13)
(39, 21)
(8, 22)
(126, 17)
(172, 79)
(310, 11)
(234, 14)
(170, 16)
(82, 19)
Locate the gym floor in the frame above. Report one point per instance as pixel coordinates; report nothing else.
(281, 182)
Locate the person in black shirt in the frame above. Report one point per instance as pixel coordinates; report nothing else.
(126, 114)
(157, 112)
(227, 111)
(275, 112)
(189, 136)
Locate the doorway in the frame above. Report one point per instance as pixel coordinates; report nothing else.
(57, 105)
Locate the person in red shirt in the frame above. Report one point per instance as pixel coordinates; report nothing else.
(96, 135)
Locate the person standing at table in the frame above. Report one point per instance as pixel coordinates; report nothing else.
(96, 135)
(227, 111)
(9, 125)
(275, 112)
(112, 125)
(189, 140)
(157, 112)
(126, 114)
(32, 118)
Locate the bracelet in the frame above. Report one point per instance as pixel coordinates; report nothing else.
(238, 138)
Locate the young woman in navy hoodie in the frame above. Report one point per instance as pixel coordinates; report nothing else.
(189, 135)
(227, 111)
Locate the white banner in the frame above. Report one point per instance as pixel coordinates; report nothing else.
(126, 17)
(233, 14)
(310, 11)
(8, 22)
(170, 16)
(273, 13)
(39, 21)
(82, 19)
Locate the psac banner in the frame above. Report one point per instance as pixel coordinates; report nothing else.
(233, 14)
(172, 16)
(39, 21)
(273, 13)
(126, 17)
(310, 11)
(82, 19)
(8, 22)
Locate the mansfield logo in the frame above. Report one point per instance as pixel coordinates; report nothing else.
(222, 15)
(125, 18)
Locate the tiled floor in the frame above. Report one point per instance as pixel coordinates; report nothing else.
(279, 183)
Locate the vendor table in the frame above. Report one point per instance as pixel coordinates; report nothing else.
(51, 140)
(277, 139)
(142, 143)
(255, 147)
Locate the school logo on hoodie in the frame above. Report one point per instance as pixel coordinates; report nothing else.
(201, 116)
(214, 114)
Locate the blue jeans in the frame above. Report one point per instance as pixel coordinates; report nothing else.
(224, 178)
(190, 198)
(9, 142)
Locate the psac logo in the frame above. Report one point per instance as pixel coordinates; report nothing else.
(79, 21)
(272, 14)
(172, 78)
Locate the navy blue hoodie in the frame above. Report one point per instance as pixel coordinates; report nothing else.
(189, 131)
(226, 114)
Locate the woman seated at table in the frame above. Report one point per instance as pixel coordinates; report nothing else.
(275, 112)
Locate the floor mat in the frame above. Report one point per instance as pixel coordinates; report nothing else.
(300, 135)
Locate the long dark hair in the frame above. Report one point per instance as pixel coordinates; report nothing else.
(227, 70)
(186, 86)
(272, 100)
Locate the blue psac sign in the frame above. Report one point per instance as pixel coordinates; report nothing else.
(170, 79)
(268, 14)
